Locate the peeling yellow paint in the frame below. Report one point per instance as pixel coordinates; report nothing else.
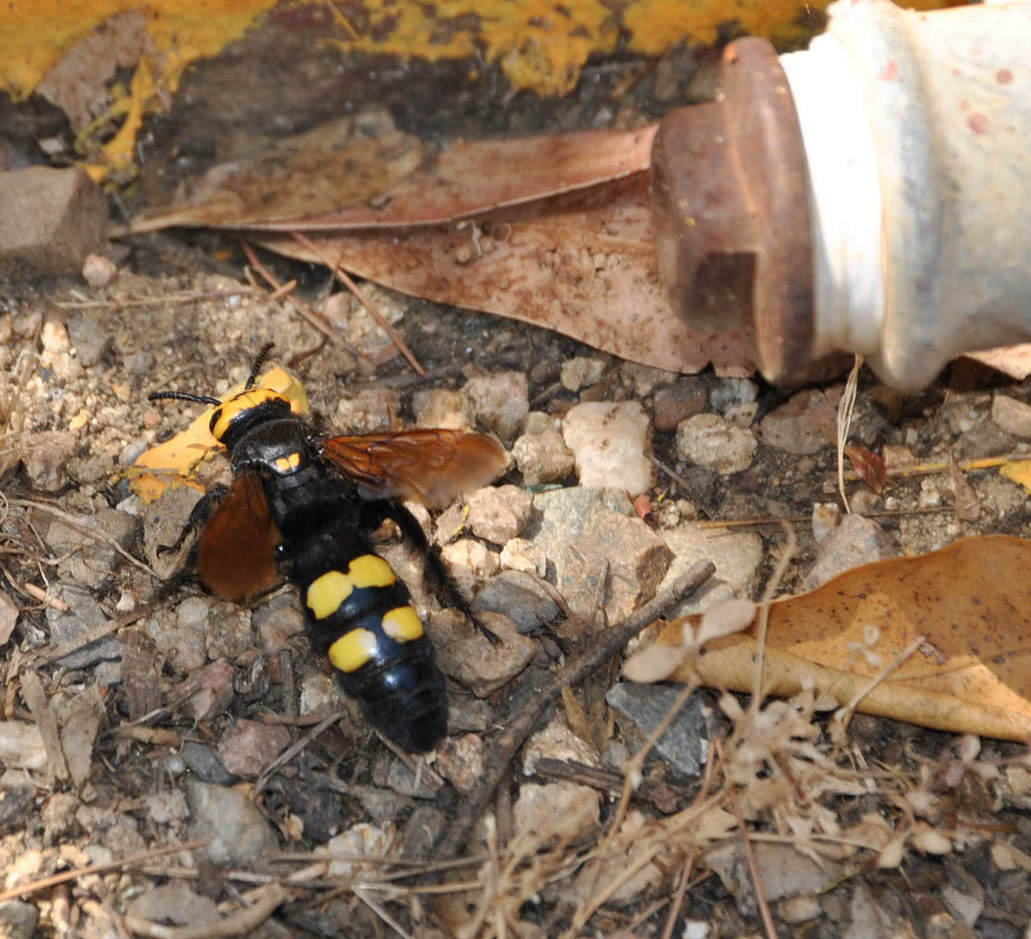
(539, 44)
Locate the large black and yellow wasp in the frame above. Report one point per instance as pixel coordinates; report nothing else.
(303, 505)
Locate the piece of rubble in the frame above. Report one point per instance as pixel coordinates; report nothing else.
(439, 407)
(684, 744)
(469, 562)
(52, 219)
(591, 535)
(358, 840)
(856, 541)
(90, 337)
(581, 371)
(499, 401)
(373, 409)
(499, 513)
(84, 615)
(248, 747)
(46, 459)
(465, 654)
(542, 457)
(21, 745)
(98, 270)
(731, 392)
(520, 554)
(805, 424)
(676, 404)
(462, 761)
(736, 554)
(173, 903)
(711, 441)
(608, 443)
(556, 810)
(521, 598)
(238, 831)
(1012, 416)
(557, 742)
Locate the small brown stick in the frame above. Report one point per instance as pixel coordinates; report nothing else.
(241, 923)
(105, 629)
(164, 299)
(303, 310)
(24, 890)
(342, 275)
(72, 522)
(609, 780)
(607, 645)
(678, 898)
(290, 752)
(788, 552)
(753, 869)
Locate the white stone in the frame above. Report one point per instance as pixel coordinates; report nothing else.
(712, 441)
(608, 443)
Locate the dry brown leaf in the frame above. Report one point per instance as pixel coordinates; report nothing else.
(971, 674)
(360, 172)
(476, 176)
(1014, 361)
(336, 164)
(582, 263)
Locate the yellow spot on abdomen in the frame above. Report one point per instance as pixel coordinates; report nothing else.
(370, 571)
(352, 650)
(327, 592)
(402, 624)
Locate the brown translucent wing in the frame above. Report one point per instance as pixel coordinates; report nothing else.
(236, 551)
(430, 466)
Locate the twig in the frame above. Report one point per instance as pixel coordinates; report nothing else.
(608, 644)
(241, 923)
(846, 712)
(73, 522)
(164, 299)
(345, 279)
(379, 910)
(290, 752)
(24, 890)
(104, 629)
(753, 870)
(313, 319)
(846, 406)
(678, 898)
(788, 552)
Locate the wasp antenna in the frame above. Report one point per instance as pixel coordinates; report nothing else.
(261, 359)
(182, 396)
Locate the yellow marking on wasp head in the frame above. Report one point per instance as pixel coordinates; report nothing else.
(327, 592)
(369, 570)
(287, 464)
(353, 649)
(402, 624)
(230, 410)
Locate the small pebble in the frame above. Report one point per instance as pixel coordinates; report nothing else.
(712, 441)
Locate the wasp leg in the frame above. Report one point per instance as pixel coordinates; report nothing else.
(435, 573)
(200, 514)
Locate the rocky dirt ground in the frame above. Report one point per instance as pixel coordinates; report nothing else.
(142, 716)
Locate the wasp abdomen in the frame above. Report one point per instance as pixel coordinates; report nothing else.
(361, 618)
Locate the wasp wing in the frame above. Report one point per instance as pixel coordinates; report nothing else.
(429, 466)
(236, 550)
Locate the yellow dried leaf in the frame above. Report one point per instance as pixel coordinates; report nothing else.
(173, 462)
(971, 672)
(1019, 471)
